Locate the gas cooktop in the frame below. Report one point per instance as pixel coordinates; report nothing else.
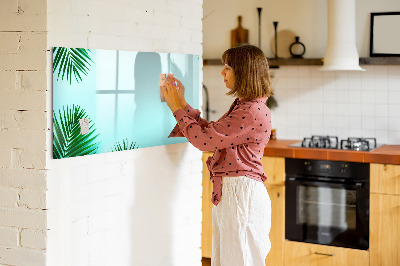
(332, 142)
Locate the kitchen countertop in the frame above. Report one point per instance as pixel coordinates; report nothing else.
(389, 154)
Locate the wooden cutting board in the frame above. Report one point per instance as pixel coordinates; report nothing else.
(239, 35)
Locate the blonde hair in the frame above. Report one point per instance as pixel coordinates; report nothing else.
(250, 66)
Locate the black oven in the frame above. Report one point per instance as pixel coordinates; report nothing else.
(327, 202)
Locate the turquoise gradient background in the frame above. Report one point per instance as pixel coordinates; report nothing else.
(122, 97)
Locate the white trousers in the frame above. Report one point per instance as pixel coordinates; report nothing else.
(241, 223)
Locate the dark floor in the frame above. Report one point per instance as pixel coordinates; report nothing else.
(206, 261)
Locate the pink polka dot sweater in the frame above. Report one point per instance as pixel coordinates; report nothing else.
(238, 139)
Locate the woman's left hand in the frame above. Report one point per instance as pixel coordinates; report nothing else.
(171, 95)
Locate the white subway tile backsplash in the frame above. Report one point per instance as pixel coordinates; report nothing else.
(381, 123)
(316, 82)
(381, 84)
(329, 93)
(342, 122)
(352, 102)
(355, 122)
(316, 72)
(354, 80)
(382, 136)
(328, 74)
(355, 96)
(342, 81)
(317, 119)
(394, 137)
(292, 83)
(381, 97)
(342, 109)
(329, 123)
(304, 72)
(394, 110)
(368, 123)
(355, 132)
(291, 71)
(367, 110)
(382, 110)
(394, 123)
(303, 82)
(367, 133)
(380, 71)
(394, 83)
(342, 96)
(393, 71)
(394, 97)
(329, 109)
(367, 96)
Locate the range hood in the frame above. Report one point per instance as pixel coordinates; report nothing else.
(341, 51)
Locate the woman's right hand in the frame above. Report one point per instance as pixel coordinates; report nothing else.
(181, 92)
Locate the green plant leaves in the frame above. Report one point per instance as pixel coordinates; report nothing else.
(67, 138)
(71, 61)
(124, 145)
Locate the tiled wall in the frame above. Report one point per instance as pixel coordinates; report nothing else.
(313, 102)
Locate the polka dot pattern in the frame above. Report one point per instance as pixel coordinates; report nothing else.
(238, 139)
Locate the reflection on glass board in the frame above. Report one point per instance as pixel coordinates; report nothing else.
(118, 92)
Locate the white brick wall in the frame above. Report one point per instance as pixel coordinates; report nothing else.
(140, 207)
(23, 126)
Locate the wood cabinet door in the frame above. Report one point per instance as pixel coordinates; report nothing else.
(274, 168)
(385, 178)
(305, 254)
(206, 226)
(384, 236)
(277, 233)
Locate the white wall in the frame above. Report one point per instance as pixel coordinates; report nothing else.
(305, 18)
(311, 102)
(23, 133)
(140, 207)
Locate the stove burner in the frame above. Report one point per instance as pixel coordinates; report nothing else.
(358, 144)
(332, 142)
(328, 142)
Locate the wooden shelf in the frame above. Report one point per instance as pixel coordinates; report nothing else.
(380, 61)
(274, 63)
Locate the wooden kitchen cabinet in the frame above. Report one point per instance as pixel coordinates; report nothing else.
(385, 178)
(206, 225)
(277, 233)
(384, 236)
(274, 168)
(305, 254)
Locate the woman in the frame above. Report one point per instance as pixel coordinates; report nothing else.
(242, 209)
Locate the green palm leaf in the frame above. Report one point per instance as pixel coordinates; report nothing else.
(71, 61)
(124, 145)
(67, 138)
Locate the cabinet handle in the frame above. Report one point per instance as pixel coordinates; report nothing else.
(325, 254)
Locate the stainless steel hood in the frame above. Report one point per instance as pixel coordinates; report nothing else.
(341, 51)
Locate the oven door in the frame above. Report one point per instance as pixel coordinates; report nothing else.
(327, 213)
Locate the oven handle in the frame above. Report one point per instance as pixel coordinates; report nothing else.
(357, 185)
(325, 254)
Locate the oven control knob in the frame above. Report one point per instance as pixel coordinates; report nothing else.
(308, 166)
(343, 168)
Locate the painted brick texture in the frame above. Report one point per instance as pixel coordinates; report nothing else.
(23, 125)
(123, 208)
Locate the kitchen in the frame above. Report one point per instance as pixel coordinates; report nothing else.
(317, 103)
